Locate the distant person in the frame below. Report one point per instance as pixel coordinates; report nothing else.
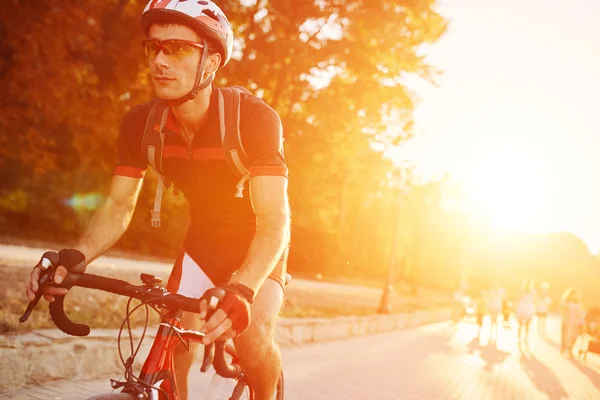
(480, 304)
(495, 302)
(458, 305)
(506, 311)
(573, 317)
(525, 312)
(543, 301)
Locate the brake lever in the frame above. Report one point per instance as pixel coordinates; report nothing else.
(47, 264)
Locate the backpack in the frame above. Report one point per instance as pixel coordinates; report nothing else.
(229, 127)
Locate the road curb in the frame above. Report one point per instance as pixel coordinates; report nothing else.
(46, 355)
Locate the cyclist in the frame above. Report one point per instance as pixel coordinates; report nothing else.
(495, 301)
(238, 244)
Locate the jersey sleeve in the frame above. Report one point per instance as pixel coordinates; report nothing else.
(262, 137)
(130, 160)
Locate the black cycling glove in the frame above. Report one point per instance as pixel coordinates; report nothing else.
(73, 260)
(234, 300)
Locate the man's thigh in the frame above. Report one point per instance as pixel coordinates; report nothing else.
(269, 299)
(265, 312)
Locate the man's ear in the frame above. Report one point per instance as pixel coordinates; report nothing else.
(212, 64)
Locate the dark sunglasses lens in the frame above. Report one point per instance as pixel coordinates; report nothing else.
(151, 47)
(177, 48)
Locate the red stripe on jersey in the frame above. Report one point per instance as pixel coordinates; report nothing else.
(131, 172)
(171, 123)
(209, 153)
(269, 170)
(176, 152)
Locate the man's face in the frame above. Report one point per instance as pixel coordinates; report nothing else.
(174, 75)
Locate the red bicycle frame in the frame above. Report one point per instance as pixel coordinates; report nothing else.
(159, 363)
(158, 369)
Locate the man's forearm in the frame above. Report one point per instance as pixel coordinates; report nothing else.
(270, 240)
(106, 227)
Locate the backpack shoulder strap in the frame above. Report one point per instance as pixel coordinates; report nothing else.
(154, 139)
(152, 148)
(231, 139)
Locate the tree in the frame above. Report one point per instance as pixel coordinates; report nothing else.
(334, 70)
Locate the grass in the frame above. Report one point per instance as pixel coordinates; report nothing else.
(105, 310)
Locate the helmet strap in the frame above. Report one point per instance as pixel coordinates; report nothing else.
(198, 85)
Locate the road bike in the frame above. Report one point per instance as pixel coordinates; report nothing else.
(156, 380)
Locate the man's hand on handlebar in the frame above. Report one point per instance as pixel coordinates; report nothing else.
(228, 308)
(50, 291)
(68, 260)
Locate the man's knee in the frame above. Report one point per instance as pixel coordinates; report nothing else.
(258, 338)
(256, 344)
(260, 330)
(266, 308)
(185, 355)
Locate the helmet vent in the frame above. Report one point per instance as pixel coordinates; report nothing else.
(210, 14)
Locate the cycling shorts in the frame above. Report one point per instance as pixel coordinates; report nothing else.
(188, 279)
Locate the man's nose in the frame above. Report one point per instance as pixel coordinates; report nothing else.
(161, 60)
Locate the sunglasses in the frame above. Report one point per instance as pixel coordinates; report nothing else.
(176, 48)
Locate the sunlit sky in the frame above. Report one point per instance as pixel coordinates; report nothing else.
(516, 115)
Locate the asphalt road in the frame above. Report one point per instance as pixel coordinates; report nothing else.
(438, 361)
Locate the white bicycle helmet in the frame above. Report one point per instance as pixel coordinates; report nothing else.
(204, 16)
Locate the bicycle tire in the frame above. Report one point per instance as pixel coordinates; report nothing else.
(279, 394)
(114, 396)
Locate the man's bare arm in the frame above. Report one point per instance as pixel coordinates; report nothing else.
(105, 228)
(111, 220)
(271, 206)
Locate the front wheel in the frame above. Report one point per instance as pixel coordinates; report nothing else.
(279, 395)
(114, 396)
(238, 394)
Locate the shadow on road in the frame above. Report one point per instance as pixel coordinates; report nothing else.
(490, 354)
(592, 375)
(437, 341)
(542, 377)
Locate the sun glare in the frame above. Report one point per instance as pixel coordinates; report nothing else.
(510, 180)
(501, 193)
